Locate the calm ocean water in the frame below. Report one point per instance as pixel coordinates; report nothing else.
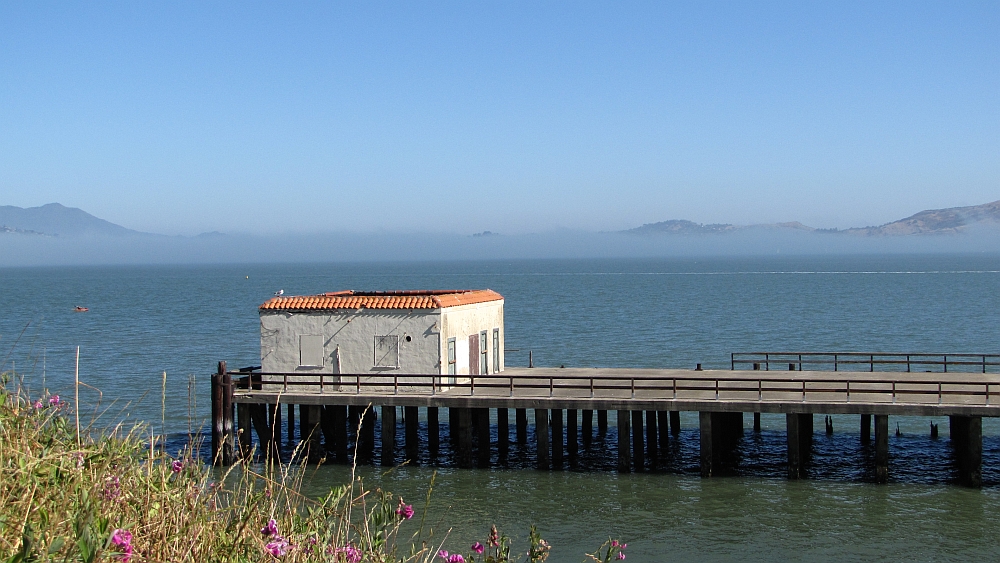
(145, 320)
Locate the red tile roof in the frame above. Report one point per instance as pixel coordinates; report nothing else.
(424, 299)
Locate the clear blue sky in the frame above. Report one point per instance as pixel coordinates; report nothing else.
(512, 117)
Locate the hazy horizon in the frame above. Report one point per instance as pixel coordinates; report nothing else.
(512, 118)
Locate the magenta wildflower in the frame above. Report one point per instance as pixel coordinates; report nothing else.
(38, 404)
(443, 554)
(614, 543)
(478, 547)
(112, 488)
(405, 510)
(278, 546)
(456, 558)
(271, 529)
(54, 401)
(122, 540)
(621, 555)
(177, 466)
(351, 553)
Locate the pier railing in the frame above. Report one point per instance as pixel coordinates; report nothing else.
(866, 361)
(917, 389)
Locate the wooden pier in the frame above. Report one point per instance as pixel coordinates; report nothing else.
(647, 403)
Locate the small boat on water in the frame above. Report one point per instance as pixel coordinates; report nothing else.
(80, 309)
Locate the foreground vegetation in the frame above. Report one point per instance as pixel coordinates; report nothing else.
(72, 495)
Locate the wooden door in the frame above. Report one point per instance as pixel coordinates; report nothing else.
(474, 354)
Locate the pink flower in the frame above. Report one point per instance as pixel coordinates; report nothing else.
(54, 400)
(122, 540)
(478, 547)
(271, 529)
(38, 404)
(456, 558)
(405, 510)
(277, 546)
(614, 543)
(443, 554)
(351, 553)
(621, 555)
(177, 466)
(112, 488)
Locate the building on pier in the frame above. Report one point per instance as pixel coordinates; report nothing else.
(447, 332)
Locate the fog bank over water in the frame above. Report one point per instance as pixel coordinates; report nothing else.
(30, 250)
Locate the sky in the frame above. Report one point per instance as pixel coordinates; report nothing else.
(512, 117)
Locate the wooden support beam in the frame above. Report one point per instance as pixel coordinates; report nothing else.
(881, 448)
(521, 425)
(663, 431)
(411, 420)
(503, 435)
(453, 418)
(624, 454)
(228, 430)
(244, 432)
(651, 438)
(291, 425)
(482, 416)
(967, 444)
(866, 428)
(556, 417)
(217, 392)
(588, 427)
(388, 436)
(638, 459)
(756, 422)
(433, 432)
(793, 432)
(312, 420)
(462, 421)
(326, 424)
(366, 442)
(542, 438)
(340, 432)
(707, 431)
(572, 434)
(675, 423)
(602, 423)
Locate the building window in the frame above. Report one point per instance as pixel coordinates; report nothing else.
(451, 357)
(496, 350)
(311, 350)
(483, 359)
(387, 351)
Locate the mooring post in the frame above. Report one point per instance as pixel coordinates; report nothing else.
(866, 428)
(602, 423)
(227, 416)
(756, 422)
(411, 420)
(793, 434)
(433, 432)
(482, 417)
(542, 437)
(881, 448)
(588, 427)
(340, 432)
(388, 436)
(638, 460)
(463, 427)
(521, 425)
(557, 437)
(217, 392)
(503, 435)
(675, 423)
(651, 438)
(624, 455)
(572, 434)
(707, 443)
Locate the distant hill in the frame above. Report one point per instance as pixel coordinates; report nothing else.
(930, 222)
(57, 220)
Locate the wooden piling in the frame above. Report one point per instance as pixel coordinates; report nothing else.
(366, 442)
(572, 434)
(675, 423)
(793, 431)
(227, 416)
(707, 441)
(411, 420)
(881, 448)
(967, 444)
(521, 425)
(291, 425)
(624, 455)
(433, 432)
(587, 429)
(663, 431)
(274, 419)
(503, 435)
(542, 438)
(245, 436)
(327, 425)
(602, 423)
(651, 438)
(756, 422)
(453, 426)
(340, 432)
(462, 421)
(388, 436)
(482, 417)
(866, 428)
(312, 431)
(557, 437)
(638, 459)
(217, 392)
